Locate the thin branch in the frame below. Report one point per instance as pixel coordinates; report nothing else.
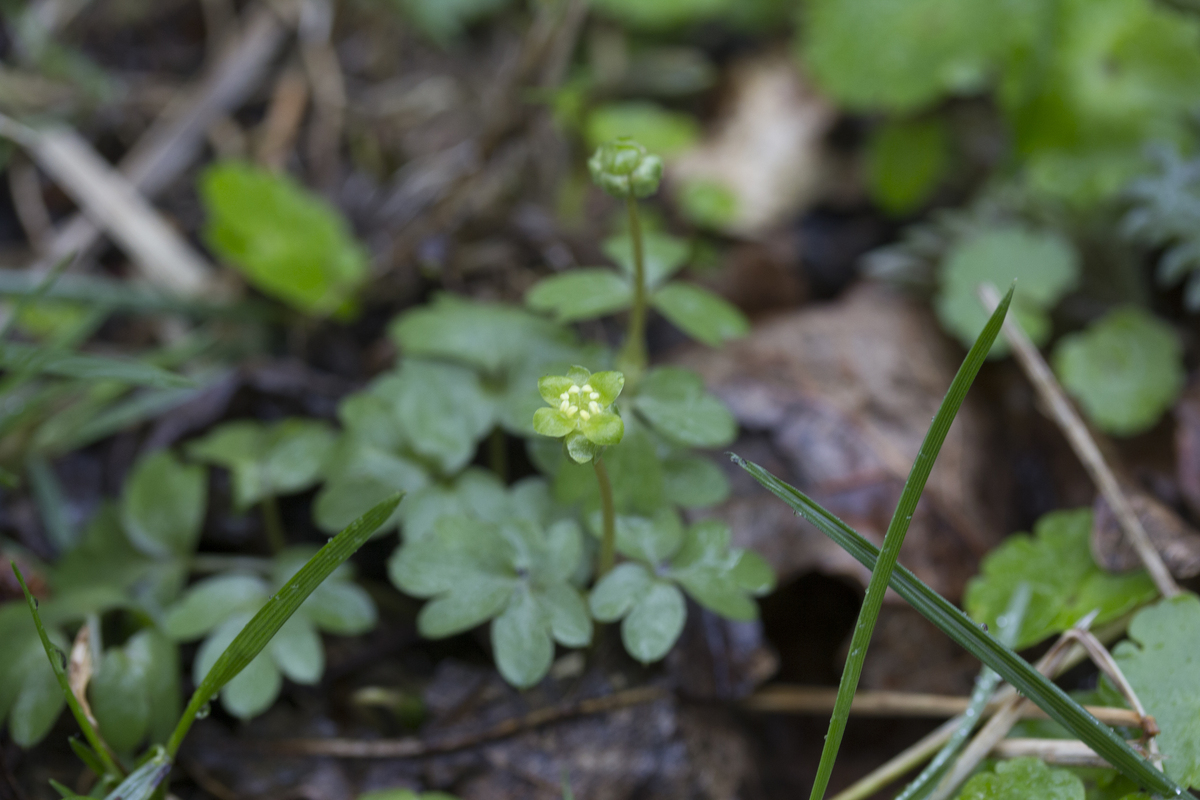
(820, 699)
(416, 747)
(1083, 444)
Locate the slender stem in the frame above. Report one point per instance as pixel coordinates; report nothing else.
(1084, 445)
(273, 524)
(58, 664)
(893, 539)
(498, 453)
(633, 354)
(608, 544)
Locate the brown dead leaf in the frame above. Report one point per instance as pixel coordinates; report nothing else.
(766, 148)
(1177, 542)
(80, 668)
(836, 399)
(1187, 447)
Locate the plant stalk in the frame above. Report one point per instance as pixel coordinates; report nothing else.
(894, 538)
(273, 524)
(633, 355)
(608, 543)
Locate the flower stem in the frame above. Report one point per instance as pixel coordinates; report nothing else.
(273, 524)
(608, 544)
(633, 355)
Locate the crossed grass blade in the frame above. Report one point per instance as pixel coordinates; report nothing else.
(271, 617)
(868, 615)
(959, 627)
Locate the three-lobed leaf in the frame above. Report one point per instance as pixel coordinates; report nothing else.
(675, 403)
(163, 505)
(1067, 585)
(1023, 778)
(1161, 660)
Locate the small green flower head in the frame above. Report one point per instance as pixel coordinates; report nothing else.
(622, 168)
(581, 411)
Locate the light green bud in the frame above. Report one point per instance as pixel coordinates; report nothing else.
(622, 168)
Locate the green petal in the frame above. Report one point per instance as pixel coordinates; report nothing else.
(551, 388)
(552, 422)
(580, 448)
(605, 428)
(608, 385)
(579, 375)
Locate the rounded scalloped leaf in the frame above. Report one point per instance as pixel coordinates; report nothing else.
(1045, 266)
(1162, 663)
(879, 54)
(1021, 779)
(1125, 370)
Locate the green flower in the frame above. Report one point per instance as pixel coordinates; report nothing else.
(581, 413)
(622, 168)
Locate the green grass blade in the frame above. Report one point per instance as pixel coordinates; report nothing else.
(144, 781)
(270, 618)
(120, 295)
(58, 661)
(38, 285)
(959, 627)
(80, 366)
(868, 615)
(985, 685)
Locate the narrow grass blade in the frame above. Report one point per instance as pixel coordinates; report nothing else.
(270, 618)
(88, 367)
(868, 615)
(58, 662)
(51, 502)
(959, 627)
(38, 286)
(123, 296)
(985, 685)
(144, 781)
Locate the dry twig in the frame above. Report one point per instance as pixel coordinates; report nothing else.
(1082, 443)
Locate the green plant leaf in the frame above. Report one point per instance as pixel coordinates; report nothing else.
(84, 367)
(444, 20)
(1126, 370)
(874, 54)
(158, 658)
(297, 650)
(252, 638)
(662, 256)
(490, 337)
(1044, 265)
(662, 14)
(616, 593)
(341, 607)
(905, 161)
(707, 568)
(510, 571)
(699, 313)
(267, 460)
(119, 700)
(693, 482)
(649, 540)
(654, 623)
(581, 294)
(207, 604)
(521, 640)
(662, 132)
(673, 400)
(959, 627)
(144, 781)
(1162, 663)
(253, 689)
(287, 242)
(162, 506)
(1022, 778)
(1067, 585)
